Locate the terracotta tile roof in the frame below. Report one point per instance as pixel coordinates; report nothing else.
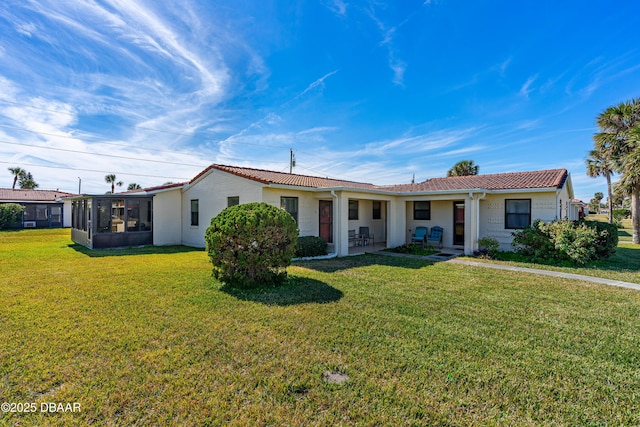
(272, 177)
(20, 195)
(554, 178)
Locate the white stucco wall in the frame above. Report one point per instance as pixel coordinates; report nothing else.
(441, 215)
(66, 213)
(544, 206)
(308, 207)
(211, 191)
(377, 227)
(167, 218)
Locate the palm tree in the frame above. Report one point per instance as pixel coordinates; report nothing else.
(27, 181)
(17, 173)
(111, 179)
(464, 168)
(133, 186)
(620, 140)
(599, 164)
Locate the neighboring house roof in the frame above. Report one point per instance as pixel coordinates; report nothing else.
(23, 195)
(554, 178)
(154, 189)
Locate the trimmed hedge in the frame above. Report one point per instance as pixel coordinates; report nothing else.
(10, 214)
(577, 241)
(310, 246)
(251, 245)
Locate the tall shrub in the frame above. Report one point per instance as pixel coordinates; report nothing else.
(579, 242)
(251, 245)
(10, 213)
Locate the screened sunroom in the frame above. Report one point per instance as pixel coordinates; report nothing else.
(112, 221)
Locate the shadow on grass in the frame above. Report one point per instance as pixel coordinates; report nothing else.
(143, 250)
(345, 263)
(297, 290)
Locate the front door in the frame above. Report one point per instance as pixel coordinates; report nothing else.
(326, 220)
(458, 223)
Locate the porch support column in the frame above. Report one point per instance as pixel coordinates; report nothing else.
(341, 223)
(396, 222)
(472, 217)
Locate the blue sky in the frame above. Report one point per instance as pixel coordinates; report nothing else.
(373, 91)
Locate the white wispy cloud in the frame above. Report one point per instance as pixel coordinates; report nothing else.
(526, 88)
(315, 84)
(339, 7)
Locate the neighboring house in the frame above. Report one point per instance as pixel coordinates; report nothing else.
(579, 209)
(42, 208)
(117, 220)
(467, 208)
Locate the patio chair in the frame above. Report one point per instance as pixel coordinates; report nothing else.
(365, 236)
(435, 236)
(420, 235)
(353, 238)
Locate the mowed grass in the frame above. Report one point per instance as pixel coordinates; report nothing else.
(624, 265)
(148, 337)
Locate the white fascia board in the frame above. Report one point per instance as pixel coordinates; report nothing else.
(329, 189)
(164, 190)
(525, 190)
(407, 194)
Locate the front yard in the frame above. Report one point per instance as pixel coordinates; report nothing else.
(148, 337)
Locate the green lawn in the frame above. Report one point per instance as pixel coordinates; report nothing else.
(148, 337)
(624, 265)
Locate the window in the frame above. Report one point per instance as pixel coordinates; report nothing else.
(233, 201)
(517, 213)
(353, 209)
(117, 216)
(377, 210)
(290, 204)
(133, 215)
(103, 215)
(41, 213)
(195, 209)
(422, 210)
(146, 215)
(29, 213)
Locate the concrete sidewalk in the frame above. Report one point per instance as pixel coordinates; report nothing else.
(549, 273)
(584, 278)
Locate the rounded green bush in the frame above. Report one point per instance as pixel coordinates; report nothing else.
(251, 245)
(10, 214)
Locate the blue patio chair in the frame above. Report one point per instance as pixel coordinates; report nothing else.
(366, 236)
(420, 235)
(435, 236)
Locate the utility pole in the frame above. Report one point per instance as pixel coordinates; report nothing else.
(292, 160)
(79, 185)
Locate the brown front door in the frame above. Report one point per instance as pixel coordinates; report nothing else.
(326, 220)
(458, 223)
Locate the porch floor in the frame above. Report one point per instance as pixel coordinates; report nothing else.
(357, 250)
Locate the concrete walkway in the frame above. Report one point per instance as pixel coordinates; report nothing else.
(559, 274)
(549, 273)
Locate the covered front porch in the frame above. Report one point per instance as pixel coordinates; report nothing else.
(456, 214)
(355, 223)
